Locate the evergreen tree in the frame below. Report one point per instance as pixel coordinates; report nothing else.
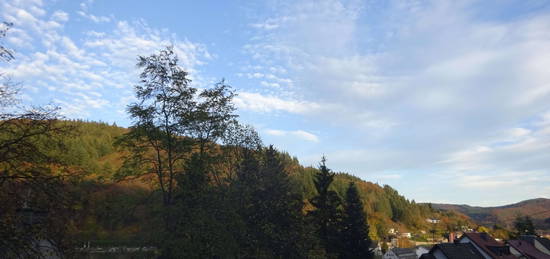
(524, 226)
(204, 223)
(355, 230)
(284, 206)
(271, 208)
(327, 215)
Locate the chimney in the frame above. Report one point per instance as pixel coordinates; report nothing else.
(452, 237)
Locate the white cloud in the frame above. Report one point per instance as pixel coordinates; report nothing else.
(60, 16)
(84, 8)
(519, 132)
(500, 180)
(93, 18)
(274, 132)
(418, 83)
(83, 74)
(433, 73)
(389, 176)
(268, 25)
(304, 135)
(267, 84)
(260, 103)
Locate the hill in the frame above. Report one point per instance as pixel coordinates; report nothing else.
(93, 150)
(537, 209)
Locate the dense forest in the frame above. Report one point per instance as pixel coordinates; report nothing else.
(385, 207)
(108, 209)
(186, 178)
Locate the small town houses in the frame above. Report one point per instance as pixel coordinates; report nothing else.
(476, 245)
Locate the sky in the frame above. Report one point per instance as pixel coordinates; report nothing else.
(444, 100)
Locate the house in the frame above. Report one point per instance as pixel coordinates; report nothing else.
(400, 253)
(433, 221)
(486, 245)
(453, 251)
(540, 243)
(420, 250)
(376, 248)
(30, 218)
(406, 235)
(394, 242)
(524, 249)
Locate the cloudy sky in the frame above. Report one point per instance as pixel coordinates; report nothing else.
(446, 101)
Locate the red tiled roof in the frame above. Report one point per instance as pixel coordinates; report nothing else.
(489, 245)
(528, 249)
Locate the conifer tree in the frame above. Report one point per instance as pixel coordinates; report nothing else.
(524, 226)
(242, 194)
(284, 206)
(327, 215)
(204, 224)
(355, 230)
(271, 208)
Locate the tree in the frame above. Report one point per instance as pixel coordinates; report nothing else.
(238, 140)
(33, 177)
(327, 215)
(271, 208)
(205, 226)
(482, 229)
(8, 90)
(355, 229)
(500, 232)
(524, 226)
(174, 138)
(384, 247)
(155, 141)
(171, 119)
(5, 53)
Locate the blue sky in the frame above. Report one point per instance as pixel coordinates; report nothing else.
(447, 101)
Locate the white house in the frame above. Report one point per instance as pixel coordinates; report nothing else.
(433, 221)
(406, 235)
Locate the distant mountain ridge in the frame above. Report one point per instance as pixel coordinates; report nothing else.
(538, 209)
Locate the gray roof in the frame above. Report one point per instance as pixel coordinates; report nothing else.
(458, 250)
(404, 253)
(527, 249)
(544, 241)
(530, 238)
(427, 256)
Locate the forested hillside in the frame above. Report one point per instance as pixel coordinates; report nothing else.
(120, 208)
(537, 209)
